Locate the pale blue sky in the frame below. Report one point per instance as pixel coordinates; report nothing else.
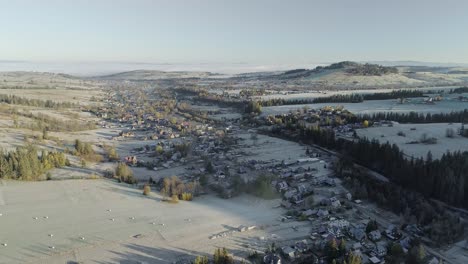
(247, 31)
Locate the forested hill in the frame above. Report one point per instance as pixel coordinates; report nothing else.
(352, 68)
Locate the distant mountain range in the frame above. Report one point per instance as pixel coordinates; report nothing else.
(341, 75)
(418, 63)
(108, 68)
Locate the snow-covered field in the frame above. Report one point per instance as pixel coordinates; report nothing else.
(267, 148)
(438, 131)
(100, 221)
(368, 107)
(288, 95)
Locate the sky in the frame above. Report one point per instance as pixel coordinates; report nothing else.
(250, 32)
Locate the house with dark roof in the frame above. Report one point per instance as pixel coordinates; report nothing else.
(357, 233)
(374, 235)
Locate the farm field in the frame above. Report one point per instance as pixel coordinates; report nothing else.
(438, 131)
(108, 222)
(447, 105)
(288, 95)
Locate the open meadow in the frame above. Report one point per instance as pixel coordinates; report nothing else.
(100, 221)
(406, 137)
(418, 105)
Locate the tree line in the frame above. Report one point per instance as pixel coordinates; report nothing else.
(44, 121)
(445, 179)
(202, 95)
(345, 98)
(459, 90)
(25, 164)
(13, 99)
(351, 67)
(371, 70)
(418, 118)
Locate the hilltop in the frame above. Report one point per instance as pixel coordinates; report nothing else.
(148, 75)
(354, 75)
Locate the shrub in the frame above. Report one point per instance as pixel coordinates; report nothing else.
(186, 196)
(201, 260)
(146, 189)
(159, 149)
(174, 199)
(112, 154)
(45, 134)
(124, 173)
(303, 217)
(253, 107)
(83, 163)
(93, 176)
(86, 151)
(83, 148)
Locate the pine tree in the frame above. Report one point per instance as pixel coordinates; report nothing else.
(78, 146)
(6, 169)
(371, 226)
(332, 249)
(416, 255)
(201, 260)
(45, 134)
(24, 168)
(342, 247)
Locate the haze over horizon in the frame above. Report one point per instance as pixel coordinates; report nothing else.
(104, 68)
(226, 36)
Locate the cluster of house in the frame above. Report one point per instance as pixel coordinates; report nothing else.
(295, 183)
(153, 132)
(297, 179)
(371, 246)
(164, 153)
(130, 160)
(328, 117)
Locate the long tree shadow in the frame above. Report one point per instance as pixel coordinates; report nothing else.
(109, 135)
(126, 189)
(144, 254)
